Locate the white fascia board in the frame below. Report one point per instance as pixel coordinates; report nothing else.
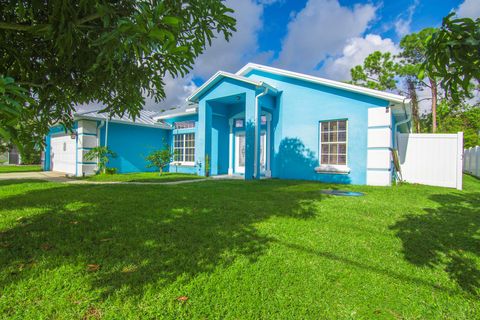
(215, 78)
(330, 83)
(178, 114)
(157, 126)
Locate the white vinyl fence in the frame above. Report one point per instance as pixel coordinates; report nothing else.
(471, 161)
(432, 159)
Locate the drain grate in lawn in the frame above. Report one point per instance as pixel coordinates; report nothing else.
(342, 193)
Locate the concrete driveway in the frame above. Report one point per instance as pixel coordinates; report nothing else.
(43, 175)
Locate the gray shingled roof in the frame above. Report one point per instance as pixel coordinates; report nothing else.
(146, 117)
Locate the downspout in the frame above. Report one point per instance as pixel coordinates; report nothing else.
(106, 134)
(395, 150)
(408, 119)
(257, 132)
(99, 131)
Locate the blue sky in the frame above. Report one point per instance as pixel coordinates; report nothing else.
(425, 14)
(320, 37)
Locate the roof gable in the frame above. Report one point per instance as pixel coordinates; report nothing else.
(219, 76)
(326, 82)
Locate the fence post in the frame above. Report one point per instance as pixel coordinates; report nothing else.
(459, 160)
(476, 157)
(466, 160)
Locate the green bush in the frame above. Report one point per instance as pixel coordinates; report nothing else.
(160, 158)
(103, 154)
(111, 170)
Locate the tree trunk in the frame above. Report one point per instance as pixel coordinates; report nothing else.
(433, 85)
(161, 170)
(412, 93)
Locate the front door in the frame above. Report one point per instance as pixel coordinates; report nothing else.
(240, 152)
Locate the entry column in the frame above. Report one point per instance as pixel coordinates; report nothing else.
(252, 118)
(230, 148)
(204, 134)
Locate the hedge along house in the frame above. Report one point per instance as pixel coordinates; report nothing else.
(268, 122)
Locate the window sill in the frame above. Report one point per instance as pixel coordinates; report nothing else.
(335, 169)
(183, 164)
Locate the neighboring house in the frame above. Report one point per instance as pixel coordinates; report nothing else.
(259, 122)
(11, 157)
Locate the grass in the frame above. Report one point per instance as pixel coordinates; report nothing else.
(20, 168)
(265, 249)
(144, 177)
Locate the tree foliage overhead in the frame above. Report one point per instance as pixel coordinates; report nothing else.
(111, 52)
(377, 72)
(453, 117)
(453, 54)
(413, 53)
(411, 59)
(443, 60)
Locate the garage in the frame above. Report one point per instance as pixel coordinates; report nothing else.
(63, 154)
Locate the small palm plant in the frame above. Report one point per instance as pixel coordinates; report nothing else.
(103, 154)
(160, 158)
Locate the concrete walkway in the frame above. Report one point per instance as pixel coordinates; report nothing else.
(42, 175)
(71, 181)
(60, 177)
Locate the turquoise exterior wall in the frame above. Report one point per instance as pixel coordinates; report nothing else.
(296, 112)
(300, 108)
(132, 144)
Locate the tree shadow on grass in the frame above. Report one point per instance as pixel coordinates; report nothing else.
(446, 236)
(4, 183)
(141, 235)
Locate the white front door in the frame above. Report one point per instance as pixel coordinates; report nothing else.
(263, 152)
(240, 152)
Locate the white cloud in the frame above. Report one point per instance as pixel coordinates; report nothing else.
(176, 90)
(320, 30)
(222, 55)
(356, 50)
(469, 9)
(424, 100)
(270, 2)
(402, 24)
(242, 47)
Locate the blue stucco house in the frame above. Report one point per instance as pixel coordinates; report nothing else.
(258, 122)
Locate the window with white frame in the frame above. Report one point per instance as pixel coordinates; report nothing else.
(333, 142)
(184, 124)
(184, 147)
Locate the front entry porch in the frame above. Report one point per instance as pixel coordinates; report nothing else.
(235, 130)
(237, 145)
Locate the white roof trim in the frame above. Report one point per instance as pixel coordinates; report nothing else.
(222, 74)
(330, 83)
(185, 112)
(158, 126)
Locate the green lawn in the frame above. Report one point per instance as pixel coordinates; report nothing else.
(144, 177)
(22, 168)
(266, 249)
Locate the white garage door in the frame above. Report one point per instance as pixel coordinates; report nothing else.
(63, 154)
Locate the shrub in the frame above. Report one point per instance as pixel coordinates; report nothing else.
(160, 158)
(103, 154)
(111, 170)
